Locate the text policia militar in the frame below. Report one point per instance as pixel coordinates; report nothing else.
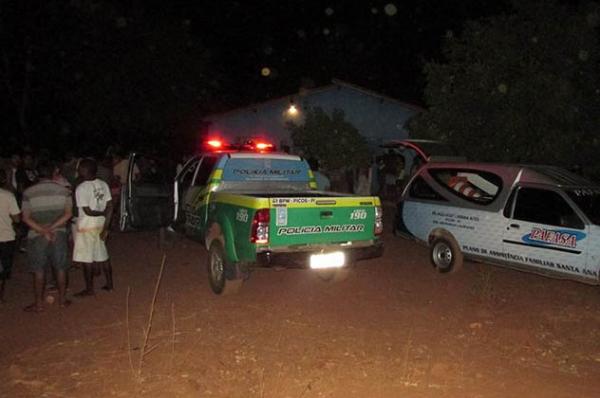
(317, 229)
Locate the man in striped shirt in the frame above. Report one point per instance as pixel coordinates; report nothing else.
(47, 207)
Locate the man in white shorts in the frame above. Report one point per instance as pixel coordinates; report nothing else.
(94, 204)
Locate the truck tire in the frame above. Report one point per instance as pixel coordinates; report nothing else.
(217, 264)
(445, 255)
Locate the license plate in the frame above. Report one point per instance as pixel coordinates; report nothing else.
(327, 260)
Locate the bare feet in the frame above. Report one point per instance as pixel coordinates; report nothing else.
(84, 293)
(33, 308)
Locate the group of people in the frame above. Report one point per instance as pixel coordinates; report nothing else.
(390, 168)
(54, 215)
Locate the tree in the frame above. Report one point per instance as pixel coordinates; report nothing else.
(92, 72)
(332, 140)
(522, 87)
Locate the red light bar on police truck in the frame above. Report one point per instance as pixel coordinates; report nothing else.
(263, 146)
(217, 144)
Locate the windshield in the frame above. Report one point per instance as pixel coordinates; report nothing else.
(588, 200)
(265, 174)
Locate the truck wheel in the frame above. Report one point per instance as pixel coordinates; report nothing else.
(217, 265)
(445, 255)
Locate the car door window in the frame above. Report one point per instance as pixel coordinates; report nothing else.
(152, 170)
(543, 206)
(206, 167)
(420, 189)
(475, 186)
(187, 175)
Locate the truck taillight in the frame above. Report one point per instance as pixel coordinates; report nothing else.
(378, 220)
(260, 227)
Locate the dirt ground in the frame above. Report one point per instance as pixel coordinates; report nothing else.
(394, 328)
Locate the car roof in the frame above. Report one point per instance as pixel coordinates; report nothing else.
(535, 174)
(560, 176)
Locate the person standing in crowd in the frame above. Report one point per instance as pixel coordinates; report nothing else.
(323, 183)
(60, 179)
(390, 174)
(16, 163)
(120, 173)
(69, 168)
(47, 207)
(94, 206)
(105, 169)
(29, 174)
(400, 178)
(121, 168)
(51, 285)
(9, 214)
(25, 176)
(362, 185)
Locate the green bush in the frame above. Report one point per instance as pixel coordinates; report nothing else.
(332, 140)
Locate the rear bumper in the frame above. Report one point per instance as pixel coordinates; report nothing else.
(300, 259)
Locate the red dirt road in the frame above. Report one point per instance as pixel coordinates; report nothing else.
(394, 328)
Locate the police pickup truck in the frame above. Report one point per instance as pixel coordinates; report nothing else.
(251, 206)
(541, 219)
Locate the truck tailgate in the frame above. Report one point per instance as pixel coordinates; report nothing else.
(321, 220)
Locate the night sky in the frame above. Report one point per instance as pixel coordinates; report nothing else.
(381, 45)
(104, 71)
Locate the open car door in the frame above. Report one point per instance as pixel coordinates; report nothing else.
(147, 198)
(416, 152)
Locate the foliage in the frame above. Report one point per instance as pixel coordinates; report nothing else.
(522, 87)
(332, 140)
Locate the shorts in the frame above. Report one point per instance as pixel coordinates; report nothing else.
(41, 252)
(89, 248)
(7, 251)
